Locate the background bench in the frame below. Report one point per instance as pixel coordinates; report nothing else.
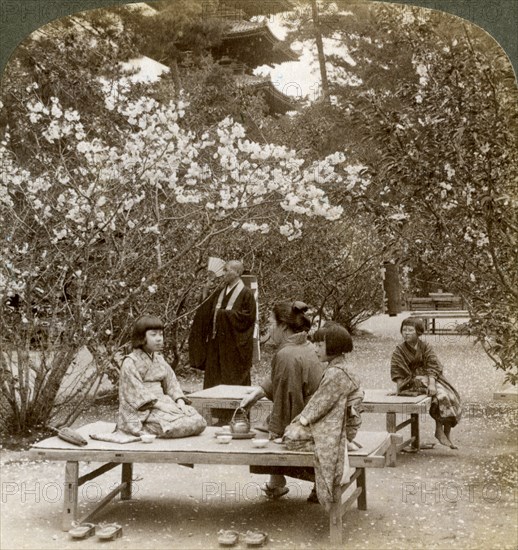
(437, 301)
(453, 318)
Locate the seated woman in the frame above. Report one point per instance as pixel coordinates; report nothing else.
(150, 397)
(332, 414)
(295, 375)
(416, 370)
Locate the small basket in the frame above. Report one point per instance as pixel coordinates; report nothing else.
(240, 416)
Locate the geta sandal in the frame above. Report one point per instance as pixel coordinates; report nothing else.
(255, 538)
(81, 530)
(227, 537)
(108, 531)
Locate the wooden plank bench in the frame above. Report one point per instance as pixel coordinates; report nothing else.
(421, 304)
(433, 316)
(202, 449)
(375, 401)
(507, 394)
(436, 302)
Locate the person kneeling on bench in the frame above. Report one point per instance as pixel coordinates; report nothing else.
(151, 400)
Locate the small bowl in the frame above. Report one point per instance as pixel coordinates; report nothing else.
(224, 438)
(147, 438)
(259, 442)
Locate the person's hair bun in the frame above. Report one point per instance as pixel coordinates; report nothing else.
(298, 306)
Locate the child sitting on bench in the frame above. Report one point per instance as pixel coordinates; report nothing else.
(150, 397)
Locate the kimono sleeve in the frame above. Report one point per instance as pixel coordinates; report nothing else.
(313, 375)
(333, 386)
(431, 362)
(267, 386)
(132, 391)
(398, 366)
(170, 383)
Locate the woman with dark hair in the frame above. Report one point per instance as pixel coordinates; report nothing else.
(416, 370)
(329, 422)
(150, 397)
(296, 373)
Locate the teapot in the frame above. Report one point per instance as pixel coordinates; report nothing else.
(240, 424)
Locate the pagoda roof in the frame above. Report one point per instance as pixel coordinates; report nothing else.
(276, 100)
(254, 44)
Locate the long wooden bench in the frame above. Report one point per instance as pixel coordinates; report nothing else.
(202, 449)
(433, 316)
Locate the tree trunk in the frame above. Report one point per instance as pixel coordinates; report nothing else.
(320, 49)
(175, 73)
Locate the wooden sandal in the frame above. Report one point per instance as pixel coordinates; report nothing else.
(81, 530)
(255, 538)
(227, 537)
(108, 531)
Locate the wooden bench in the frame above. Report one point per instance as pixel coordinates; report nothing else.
(440, 301)
(421, 304)
(202, 449)
(375, 401)
(433, 316)
(507, 393)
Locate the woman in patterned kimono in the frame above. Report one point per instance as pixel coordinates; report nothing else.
(332, 415)
(150, 397)
(295, 375)
(416, 370)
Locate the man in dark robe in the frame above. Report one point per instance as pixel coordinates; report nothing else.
(225, 330)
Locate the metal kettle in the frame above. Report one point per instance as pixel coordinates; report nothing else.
(240, 423)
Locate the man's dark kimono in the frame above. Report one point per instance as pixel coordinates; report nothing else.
(225, 330)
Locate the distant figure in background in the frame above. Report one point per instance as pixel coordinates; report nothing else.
(225, 329)
(416, 370)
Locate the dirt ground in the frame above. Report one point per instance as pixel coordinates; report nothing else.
(436, 499)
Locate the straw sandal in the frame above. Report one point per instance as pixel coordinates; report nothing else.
(108, 531)
(255, 538)
(227, 537)
(81, 530)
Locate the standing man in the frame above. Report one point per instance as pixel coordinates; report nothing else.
(228, 335)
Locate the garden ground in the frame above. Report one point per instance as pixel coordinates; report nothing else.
(436, 499)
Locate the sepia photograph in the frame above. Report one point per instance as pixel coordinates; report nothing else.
(258, 277)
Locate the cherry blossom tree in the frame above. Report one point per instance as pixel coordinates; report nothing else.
(109, 213)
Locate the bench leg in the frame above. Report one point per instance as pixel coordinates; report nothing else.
(414, 431)
(70, 497)
(392, 429)
(127, 475)
(336, 519)
(391, 422)
(361, 483)
(392, 453)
